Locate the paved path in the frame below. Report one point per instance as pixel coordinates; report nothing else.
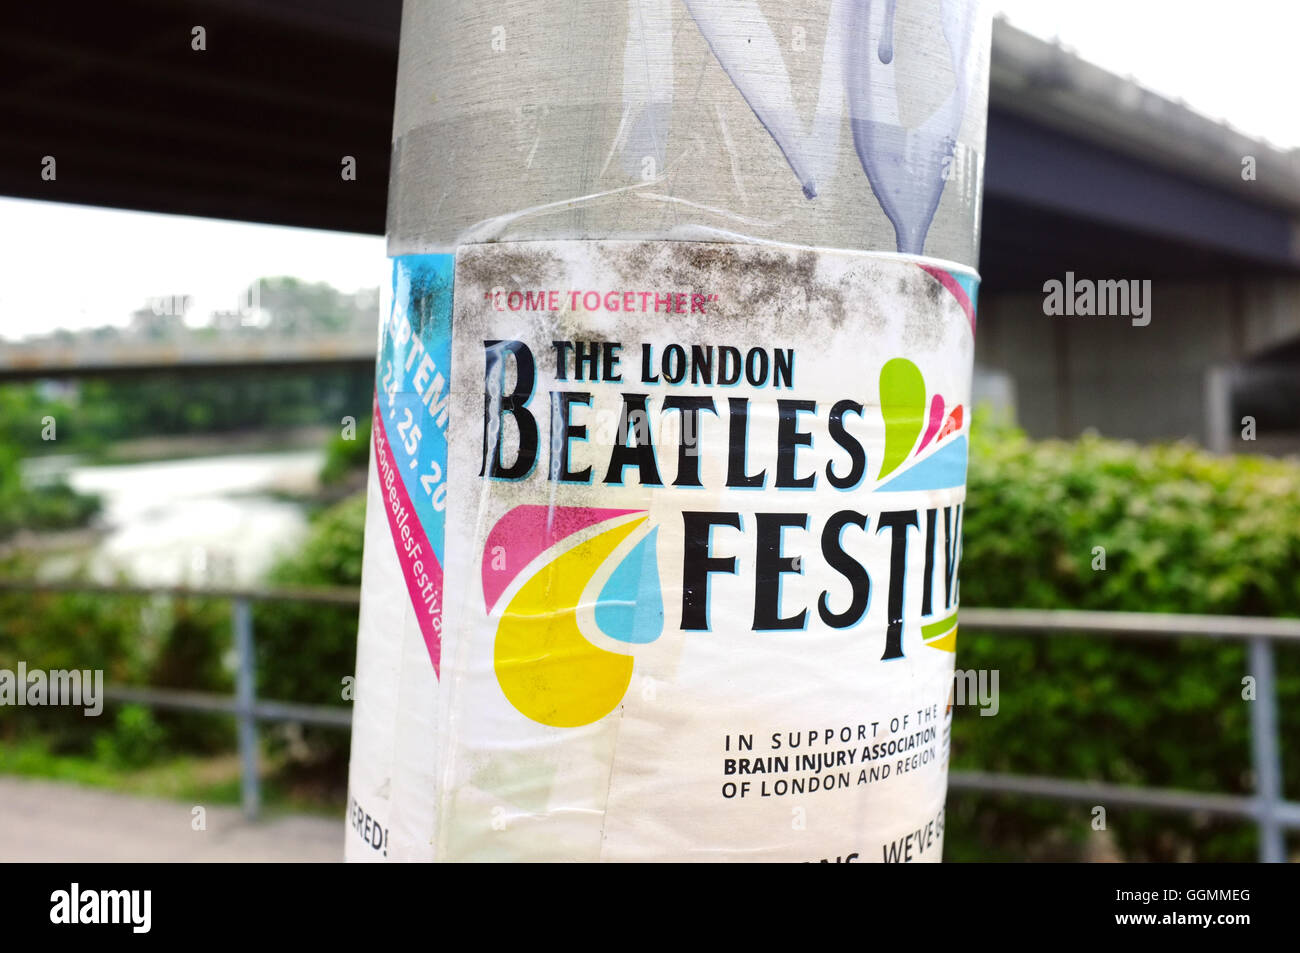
(48, 821)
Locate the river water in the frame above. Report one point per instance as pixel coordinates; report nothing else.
(197, 521)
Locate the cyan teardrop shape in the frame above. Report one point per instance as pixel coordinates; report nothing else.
(631, 604)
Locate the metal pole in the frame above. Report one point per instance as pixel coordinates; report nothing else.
(662, 172)
(1266, 752)
(1218, 408)
(246, 703)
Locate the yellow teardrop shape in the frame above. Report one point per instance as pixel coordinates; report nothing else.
(546, 667)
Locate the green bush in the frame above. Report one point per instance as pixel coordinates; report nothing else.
(346, 458)
(52, 505)
(134, 641)
(66, 631)
(134, 741)
(305, 650)
(1182, 531)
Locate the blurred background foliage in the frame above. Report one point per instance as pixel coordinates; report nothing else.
(53, 505)
(1182, 530)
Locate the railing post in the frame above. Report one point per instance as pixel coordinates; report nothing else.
(1266, 752)
(246, 699)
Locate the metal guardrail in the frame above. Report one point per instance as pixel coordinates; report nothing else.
(1267, 808)
(247, 708)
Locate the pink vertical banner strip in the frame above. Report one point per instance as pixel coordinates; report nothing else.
(420, 566)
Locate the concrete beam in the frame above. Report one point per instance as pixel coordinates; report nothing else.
(1052, 87)
(81, 358)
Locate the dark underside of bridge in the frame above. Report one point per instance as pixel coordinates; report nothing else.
(289, 87)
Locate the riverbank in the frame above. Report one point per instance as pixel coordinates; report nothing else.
(215, 519)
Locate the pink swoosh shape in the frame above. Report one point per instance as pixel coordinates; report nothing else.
(936, 418)
(958, 292)
(527, 531)
(420, 567)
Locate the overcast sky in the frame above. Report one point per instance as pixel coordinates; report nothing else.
(70, 266)
(74, 267)
(1232, 60)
